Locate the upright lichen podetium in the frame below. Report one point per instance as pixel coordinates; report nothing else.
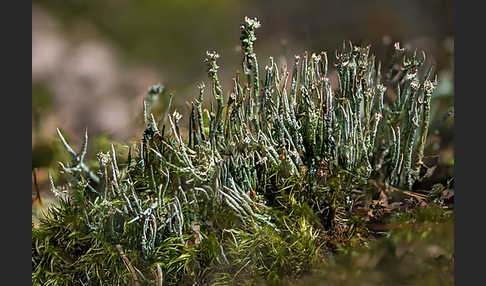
(217, 91)
(250, 63)
(429, 87)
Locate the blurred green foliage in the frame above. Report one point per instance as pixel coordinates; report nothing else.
(171, 34)
(42, 155)
(161, 33)
(420, 251)
(41, 97)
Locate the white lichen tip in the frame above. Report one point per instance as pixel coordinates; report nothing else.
(415, 84)
(201, 85)
(252, 22)
(177, 116)
(212, 54)
(397, 47)
(429, 86)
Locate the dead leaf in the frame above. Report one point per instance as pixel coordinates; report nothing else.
(197, 239)
(395, 205)
(195, 226)
(428, 173)
(383, 199)
(448, 193)
(370, 213)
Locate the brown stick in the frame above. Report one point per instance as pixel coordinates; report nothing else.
(37, 191)
(160, 276)
(129, 265)
(38, 198)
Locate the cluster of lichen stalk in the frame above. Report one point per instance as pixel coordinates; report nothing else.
(291, 124)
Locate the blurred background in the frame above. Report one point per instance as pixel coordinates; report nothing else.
(93, 61)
